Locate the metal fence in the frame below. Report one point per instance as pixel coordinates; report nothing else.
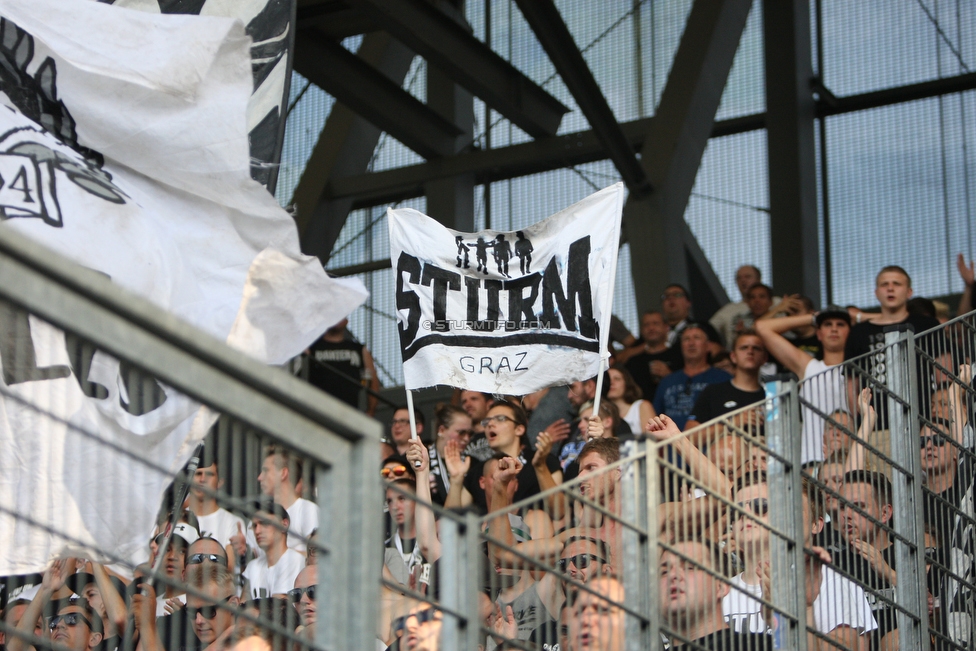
(99, 390)
(807, 521)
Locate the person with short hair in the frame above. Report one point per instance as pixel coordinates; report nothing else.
(759, 298)
(211, 615)
(302, 597)
(836, 606)
(272, 574)
(598, 620)
(214, 520)
(342, 366)
(691, 599)
(281, 473)
(725, 317)
(400, 432)
(748, 355)
(677, 393)
(477, 405)
(865, 511)
(74, 626)
(823, 385)
(653, 358)
(173, 596)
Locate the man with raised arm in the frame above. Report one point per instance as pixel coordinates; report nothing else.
(824, 387)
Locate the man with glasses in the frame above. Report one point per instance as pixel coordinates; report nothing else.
(75, 625)
(836, 606)
(676, 308)
(212, 615)
(302, 597)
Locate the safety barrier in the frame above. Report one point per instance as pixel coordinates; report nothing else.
(108, 386)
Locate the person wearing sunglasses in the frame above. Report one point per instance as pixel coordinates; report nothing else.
(212, 615)
(836, 606)
(422, 629)
(75, 625)
(302, 597)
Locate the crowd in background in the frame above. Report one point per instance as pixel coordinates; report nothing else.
(553, 566)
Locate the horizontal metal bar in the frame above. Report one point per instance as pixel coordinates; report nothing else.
(373, 95)
(128, 326)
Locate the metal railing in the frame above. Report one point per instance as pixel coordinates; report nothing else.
(110, 386)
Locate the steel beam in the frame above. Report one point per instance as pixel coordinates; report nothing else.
(440, 39)
(547, 23)
(374, 96)
(790, 145)
(399, 184)
(673, 149)
(345, 147)
(451, 200)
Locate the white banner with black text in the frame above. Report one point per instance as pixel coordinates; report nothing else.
(506, 312)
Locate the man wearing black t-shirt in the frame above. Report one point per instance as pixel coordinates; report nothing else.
(748, 355)
(691, 600)
(870, 558)
(340, 365)
(655, 359)
(893, 288)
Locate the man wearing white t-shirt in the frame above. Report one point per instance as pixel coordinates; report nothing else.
(836, 606)
(825, 393)
(274, 573)
(281, 472)
(215, 522)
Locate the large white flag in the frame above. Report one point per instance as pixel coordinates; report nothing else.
(125, 148)
(506, 312)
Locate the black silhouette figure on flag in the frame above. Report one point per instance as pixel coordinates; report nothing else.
(462, 252)
(523, 251)
(502, 254)
(481, 254)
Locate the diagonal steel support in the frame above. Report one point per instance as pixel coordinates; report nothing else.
(673, 149)
(442, 41)
(547, 23)
(344, 148)
(374, 96)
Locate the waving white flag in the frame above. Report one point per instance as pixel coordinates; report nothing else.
(506, 312)
(124, 146)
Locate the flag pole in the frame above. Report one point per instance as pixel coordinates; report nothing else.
(413, 421)
(608, 313)
(599, 385)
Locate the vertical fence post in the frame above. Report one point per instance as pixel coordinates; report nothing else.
(907, 500)
(787, 562)
(349, 515)
(460, 572)
(637, 552)
(653, 492)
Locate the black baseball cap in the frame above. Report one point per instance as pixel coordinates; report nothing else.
(833, 312)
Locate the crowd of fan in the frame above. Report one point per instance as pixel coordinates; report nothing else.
(552, 569)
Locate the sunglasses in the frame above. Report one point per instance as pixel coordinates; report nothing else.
(197, 559)
(207, 612)
(581, 561)
(396, 471)
(295, 594)
(937, 441)
(500, 418)
(69, 619)
(424, 616)
(758, 505)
